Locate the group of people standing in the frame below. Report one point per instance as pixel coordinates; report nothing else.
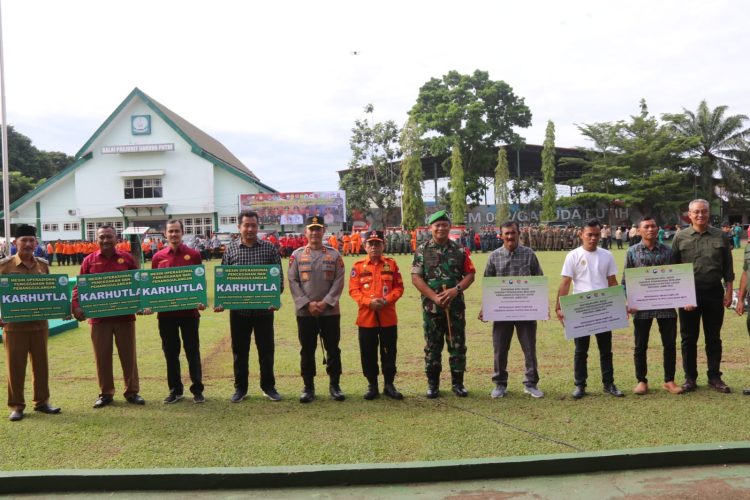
(441, 271)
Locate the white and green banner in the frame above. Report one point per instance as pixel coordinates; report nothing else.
(515, 298)
(593, 312)
(660, 287)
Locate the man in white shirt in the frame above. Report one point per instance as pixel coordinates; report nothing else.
(588, 268)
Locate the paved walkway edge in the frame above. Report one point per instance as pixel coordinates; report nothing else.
(58, 481)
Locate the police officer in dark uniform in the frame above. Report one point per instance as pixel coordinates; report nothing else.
(316, 281)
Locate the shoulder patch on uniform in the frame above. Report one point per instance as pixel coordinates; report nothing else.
(354, 272)
(42, 260)
(6, 259)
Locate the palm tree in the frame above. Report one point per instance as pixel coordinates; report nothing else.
(722, 145)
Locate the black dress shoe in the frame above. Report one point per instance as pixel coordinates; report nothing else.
(102, 401)
(579, 392)
(238, 396)
(719, 386)
(372, 392)
(459, 390)
(390, 391)
(49, 410)
(613, 390)
(746, 392)
(308, 394)
(336, 393)
(16, 415)
(272, 394)
(135, 399)
(689, 385)
(433, 389)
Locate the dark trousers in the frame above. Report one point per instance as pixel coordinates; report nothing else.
(580, 369)
(241, 329)
(169, 330)
(329, 328)
(668, 331)
(711, 310)
(502, 334)
(372, 340)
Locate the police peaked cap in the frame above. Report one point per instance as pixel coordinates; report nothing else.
(315, 221)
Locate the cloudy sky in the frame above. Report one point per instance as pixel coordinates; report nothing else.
(278, 84)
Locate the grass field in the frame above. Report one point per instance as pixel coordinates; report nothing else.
(258, 432)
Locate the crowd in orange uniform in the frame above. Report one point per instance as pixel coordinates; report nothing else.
(69, 252)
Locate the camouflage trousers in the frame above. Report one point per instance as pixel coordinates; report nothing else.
(436, 335)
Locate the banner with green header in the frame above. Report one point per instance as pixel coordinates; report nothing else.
(660, 287)
(247, 287)
(109, 294)
(27, 297)
(173, 288)
(597, 311)
(515, 298)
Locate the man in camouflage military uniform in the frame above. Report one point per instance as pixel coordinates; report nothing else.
(441, 271)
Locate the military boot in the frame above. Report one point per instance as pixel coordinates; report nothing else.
(372, 389)
(433, 387)
(458, 384)
(308, 392)
(335, 389)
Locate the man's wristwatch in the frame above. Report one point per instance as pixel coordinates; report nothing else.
(458, 288)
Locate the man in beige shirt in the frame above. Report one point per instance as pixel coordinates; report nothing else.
(26, 339)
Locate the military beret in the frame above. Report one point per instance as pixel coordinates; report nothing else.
(25, 230)
(439, 215)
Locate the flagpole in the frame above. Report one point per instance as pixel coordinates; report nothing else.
(6, 187)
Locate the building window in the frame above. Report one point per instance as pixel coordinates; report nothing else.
(228, 220)
(71, 226)
(142, 188)
(198, 225)
(50, 227)
(91, 228)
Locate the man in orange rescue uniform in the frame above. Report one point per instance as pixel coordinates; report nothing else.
(376, 284)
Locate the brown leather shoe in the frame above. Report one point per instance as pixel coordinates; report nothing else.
(689, 385)
(719, 386)
(672, 387)
(641, 388)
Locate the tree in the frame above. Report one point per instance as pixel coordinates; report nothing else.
(549, 190)
(477, 112)
(18, 185)
(412, 203)
(722, 148)
(458, 188)
(30, 166)
(502, 194)
(373, 178)
(638, 164)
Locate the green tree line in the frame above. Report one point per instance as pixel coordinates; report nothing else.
(653, 164)
(28, 166)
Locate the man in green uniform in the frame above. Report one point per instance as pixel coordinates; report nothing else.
(441, 271)
(743, 294)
